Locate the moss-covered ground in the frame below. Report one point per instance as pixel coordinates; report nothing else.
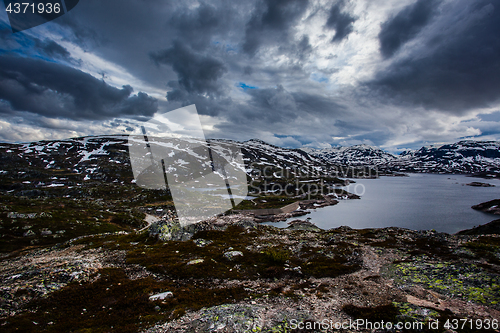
(113, 302)
(200, 276)
(28, 222)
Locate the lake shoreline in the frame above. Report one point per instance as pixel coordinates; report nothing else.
(413, 202)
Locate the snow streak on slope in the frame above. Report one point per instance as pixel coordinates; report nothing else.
(460, 157)
(106, 158)
(356, 155)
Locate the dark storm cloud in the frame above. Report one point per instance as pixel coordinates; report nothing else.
(277, 100)
(199, 45)
(206, 105)
(405, 25)
(460, 72)
(126, 31)
(198, 27)
(5, 32)
(197, 73)
(271, 22)
(56, 90)
(122, 32)
(51, 49)
(278, 106)
(247, 70)
(319, 105)
(209, 51)
(198, 79)
(31, 46)
(281, 117)
(340, 21)
(86, 36)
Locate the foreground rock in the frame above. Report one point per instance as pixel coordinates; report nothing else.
(161, 296)
(233, 255)
(282, 277)
(492, 207)
(235, 318)
(168, 227)
(302, 225)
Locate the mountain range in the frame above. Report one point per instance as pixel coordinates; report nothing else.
(106, 158)
(482, 157)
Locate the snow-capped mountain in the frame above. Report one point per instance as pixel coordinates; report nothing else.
(258, 152)
(64, 164)
(106, 158)
(359, 155)
(460, 157)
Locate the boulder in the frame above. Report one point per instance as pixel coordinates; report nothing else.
(200, 242)
(246, 224)
(169, 229)
(303, 225)
(29, 233)
(232, 255)
(45, 232)
(161, 296)
(195, 261)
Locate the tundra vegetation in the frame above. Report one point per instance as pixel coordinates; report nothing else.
(77, 255)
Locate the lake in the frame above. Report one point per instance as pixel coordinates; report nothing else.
(419, 202)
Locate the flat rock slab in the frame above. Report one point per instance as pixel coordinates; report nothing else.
(162, 296)
(195, 261)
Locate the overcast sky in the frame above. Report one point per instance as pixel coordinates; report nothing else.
(390, 73)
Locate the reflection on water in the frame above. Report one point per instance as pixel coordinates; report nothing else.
(421, 201)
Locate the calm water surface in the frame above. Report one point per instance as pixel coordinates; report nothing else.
(421, 201)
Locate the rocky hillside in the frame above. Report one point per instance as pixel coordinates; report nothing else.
(47, 166)
(461, 157)
(259, 152)
(67, 167)
(106, 158)
(356, 155)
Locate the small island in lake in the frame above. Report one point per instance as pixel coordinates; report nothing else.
(492, 207)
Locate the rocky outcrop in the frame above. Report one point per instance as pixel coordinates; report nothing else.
(479, 184)
(492, 207)
(169, 228)
(302, 225)
(233, 255)
(235, 318)
(486, 229)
